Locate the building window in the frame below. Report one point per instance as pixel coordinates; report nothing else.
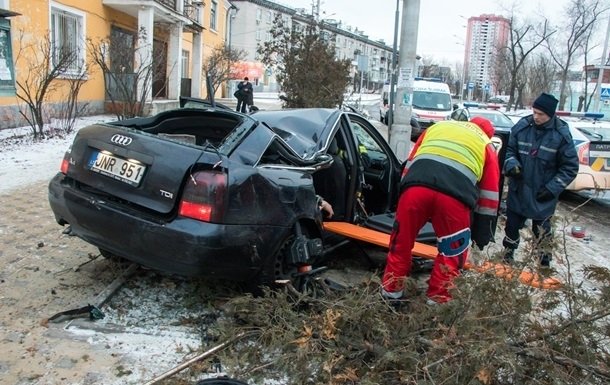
(7, 77)
(213, 13)
(67, 40)
(258, 34)
(122, 50)
(185, 63)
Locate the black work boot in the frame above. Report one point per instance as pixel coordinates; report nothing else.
(508, 256)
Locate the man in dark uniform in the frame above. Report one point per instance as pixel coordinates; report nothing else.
(541, 162)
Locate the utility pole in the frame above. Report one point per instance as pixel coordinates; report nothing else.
(600, 73)
(316, 10)
(400, 132)
(390, 119)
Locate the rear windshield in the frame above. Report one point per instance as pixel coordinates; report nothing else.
(432, 101)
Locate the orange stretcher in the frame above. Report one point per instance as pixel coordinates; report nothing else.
(423, 250)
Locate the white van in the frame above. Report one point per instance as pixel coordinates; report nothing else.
(431, 102)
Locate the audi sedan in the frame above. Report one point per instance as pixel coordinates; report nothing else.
(206, 191)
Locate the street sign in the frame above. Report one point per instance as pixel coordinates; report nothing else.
(605, 93)
(470, 85)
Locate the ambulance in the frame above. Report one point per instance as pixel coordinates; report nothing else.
(431, 102)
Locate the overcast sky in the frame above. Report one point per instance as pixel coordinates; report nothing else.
(442, 30)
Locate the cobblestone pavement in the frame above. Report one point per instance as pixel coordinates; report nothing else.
(37, 280)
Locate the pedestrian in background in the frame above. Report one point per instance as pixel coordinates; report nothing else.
(452, 172)
(246, 95)
(541, 162)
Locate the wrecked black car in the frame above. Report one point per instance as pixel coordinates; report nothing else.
(206, 191)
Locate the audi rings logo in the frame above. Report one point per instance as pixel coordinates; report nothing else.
(121, 140)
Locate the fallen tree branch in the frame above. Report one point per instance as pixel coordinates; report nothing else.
(203, 355)
(566, 361)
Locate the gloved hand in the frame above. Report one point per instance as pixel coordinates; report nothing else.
(544, 195)
(514, 172)
(480, 230)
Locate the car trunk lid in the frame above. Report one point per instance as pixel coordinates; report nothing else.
(142, 169)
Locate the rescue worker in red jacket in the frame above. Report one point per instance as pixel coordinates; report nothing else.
(451, 174)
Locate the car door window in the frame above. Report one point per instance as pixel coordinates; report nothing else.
(377, 188)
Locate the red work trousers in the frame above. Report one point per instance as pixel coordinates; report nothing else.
(416, 206)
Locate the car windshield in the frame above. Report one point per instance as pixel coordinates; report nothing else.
(435, 101)
(499, 120)
(595, 133)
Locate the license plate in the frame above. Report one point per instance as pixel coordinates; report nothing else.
(127, 171)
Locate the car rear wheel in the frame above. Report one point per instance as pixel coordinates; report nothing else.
(289, 265)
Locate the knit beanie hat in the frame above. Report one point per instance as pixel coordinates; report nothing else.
(546, 103)
(484, 125)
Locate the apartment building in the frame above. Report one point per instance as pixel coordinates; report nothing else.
(486, 35)
(170, 36)
(252, 24)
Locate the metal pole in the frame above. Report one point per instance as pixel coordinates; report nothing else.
(360, 97)
(600, 77)
(390, 119)
(400, 137)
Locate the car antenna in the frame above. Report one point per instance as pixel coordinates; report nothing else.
(206, 145)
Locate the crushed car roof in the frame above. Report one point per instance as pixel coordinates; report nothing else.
(301, 129)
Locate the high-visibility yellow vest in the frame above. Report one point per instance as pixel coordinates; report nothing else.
(462, 142)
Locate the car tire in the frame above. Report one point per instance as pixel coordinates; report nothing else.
(278, 271)
(274, 268)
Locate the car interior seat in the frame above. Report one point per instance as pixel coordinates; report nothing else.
(331, 183)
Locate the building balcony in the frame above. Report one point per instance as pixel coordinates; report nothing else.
(166, 11)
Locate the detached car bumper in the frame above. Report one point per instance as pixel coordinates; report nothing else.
(181, 246)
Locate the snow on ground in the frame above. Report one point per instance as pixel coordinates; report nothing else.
(24, 161)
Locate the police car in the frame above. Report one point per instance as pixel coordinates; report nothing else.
(501, 122)
(591, 136)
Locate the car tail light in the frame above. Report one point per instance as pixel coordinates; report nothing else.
(203, 196)
(65, 163)
(583, 154)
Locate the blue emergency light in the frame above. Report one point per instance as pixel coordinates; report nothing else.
(430, 79)
(490, 106)
(470, 104)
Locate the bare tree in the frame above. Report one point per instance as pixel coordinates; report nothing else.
(523, 40)
(499, 81)
(566, 47)
(587, 48)
(70, 109)
(305, 65)
(541, 74)
(458, 82)
(218, 65)
(45, 65)
(126, 85)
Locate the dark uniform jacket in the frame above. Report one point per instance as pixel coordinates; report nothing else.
(547, 158)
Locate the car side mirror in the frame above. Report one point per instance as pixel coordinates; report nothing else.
(322, 161)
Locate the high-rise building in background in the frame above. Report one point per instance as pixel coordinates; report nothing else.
(486, 36)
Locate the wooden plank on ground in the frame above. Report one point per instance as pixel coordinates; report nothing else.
(423, 250)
